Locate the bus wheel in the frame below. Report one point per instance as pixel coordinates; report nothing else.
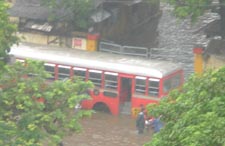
(102, 107)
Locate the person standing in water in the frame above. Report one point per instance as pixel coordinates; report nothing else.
(140, 122)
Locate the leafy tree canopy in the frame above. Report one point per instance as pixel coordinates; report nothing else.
(196, 8)
(77, 12)
(33, 111)
(7, 33)
(194, 116)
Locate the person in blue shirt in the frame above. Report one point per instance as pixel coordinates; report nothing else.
(157, 124)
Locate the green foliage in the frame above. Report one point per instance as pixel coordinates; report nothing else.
(190, 8)
(77, 12)
(7, 30)
(194, 116)
(195, 8)
(27, 121)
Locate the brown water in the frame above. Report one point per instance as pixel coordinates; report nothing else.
(106, 130)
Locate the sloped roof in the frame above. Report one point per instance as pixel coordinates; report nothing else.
(34, 9)
(97, 3)
(29, 9)
(100, 15)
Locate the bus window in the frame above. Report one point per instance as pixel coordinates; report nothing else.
(171, 83)
(96, 77)
(63, 72)
(153, 87)
(80, 73)
(140, 84)
(50, 68)
(111, 80)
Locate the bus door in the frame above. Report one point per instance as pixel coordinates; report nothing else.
(125, 94)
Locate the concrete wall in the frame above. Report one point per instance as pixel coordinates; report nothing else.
(79, 40)
(214, 61)
(44, 39)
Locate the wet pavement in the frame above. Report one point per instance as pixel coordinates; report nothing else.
(103, 129)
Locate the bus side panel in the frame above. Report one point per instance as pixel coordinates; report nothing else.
(114, 106)
(111, 102)
(137, 102)
(87, 104)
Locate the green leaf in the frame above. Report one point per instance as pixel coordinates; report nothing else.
(196, 117)
(31, 121)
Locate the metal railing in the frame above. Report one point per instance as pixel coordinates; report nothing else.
(177, 55)
(110, 47)
(124, 50)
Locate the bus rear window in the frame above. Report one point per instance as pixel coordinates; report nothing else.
(140, 85)
(111, 81)
(153, 87)
(172, 83)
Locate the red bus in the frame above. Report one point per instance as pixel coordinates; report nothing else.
(121, 83)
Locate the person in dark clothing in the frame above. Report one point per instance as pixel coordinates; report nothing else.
(60, 144)
(140, 122)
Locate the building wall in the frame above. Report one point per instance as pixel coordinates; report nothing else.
(205, 60)
(79, 40)
(214, 61)
(14, 20)
(43, 39)
(33, 38)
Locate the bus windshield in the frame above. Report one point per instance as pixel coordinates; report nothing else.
(171, 83)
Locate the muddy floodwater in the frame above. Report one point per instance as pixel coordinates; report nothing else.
(103, 129)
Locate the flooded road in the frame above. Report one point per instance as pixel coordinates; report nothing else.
(176, 41)
(103, 129)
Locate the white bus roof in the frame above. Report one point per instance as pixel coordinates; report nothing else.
(95, 60)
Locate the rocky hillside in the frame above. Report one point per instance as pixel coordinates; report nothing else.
(177, 38)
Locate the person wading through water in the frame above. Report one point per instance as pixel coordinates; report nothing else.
(140, 122)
